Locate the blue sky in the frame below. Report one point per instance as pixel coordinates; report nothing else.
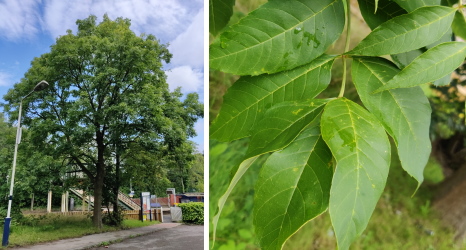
(29, 27)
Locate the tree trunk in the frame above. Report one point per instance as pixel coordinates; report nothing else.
(450, 202)
(450, 198)
(99, 181)
(98, 186)
(116, 187)
(32, 202)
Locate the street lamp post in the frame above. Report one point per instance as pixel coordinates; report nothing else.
(6, 228)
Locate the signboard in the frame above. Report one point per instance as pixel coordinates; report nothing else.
(145, 204)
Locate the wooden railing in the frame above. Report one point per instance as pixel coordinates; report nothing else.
(128, 214)
(125, 199)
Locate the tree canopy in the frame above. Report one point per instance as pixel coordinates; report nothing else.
(107, 91)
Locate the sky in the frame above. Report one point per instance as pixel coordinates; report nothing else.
(29, 27)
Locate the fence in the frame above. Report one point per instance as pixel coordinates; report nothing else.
(134, 214)
(128, 214)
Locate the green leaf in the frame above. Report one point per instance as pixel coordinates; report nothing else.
(442, 81)
(279, 35)
(406, 32)
(434, 64)
(385, 11)
(445, 38)
(411, 5)
(290, 193)
(281, 124)
(459, 25)
(362, 151)
(449, 2)
(220, 12)
(249, 97)
(404, 59)
(243, 167)
(405, 113)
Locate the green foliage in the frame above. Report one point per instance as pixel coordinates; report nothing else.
(308, 27)
(405, 113)
(427, 67)
(279, 51)
(311, 170)
(113, 218)
(193, 212)
(220, 12)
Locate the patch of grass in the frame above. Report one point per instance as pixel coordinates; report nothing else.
(55, 227)
(138, 223)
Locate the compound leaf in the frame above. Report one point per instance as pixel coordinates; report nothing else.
(290, 193)
(281, 124)
(433, 64)
(279, 35)
(249, 97)
(220, 12)
(405, 113)
(362, 152)
(407, 32)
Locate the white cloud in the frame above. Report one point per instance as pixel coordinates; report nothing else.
(158, 17)
(27, 18)
(18, 19)
(185, 77)
(5, 79)
(188, 47)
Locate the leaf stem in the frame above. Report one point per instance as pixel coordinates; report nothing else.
(347, 44)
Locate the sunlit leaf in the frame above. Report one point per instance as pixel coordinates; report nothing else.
(434, 64)
(405, 113)
(407, 32)
(249, 97)
(220, 12)
(281, 124)
(279, 35)
(362, 153)
(288, 192)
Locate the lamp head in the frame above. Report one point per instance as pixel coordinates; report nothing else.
(41, 86)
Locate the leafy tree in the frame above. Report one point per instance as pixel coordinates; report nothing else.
(108, 90)
(196, 174)
(32, 171)
(329, 153)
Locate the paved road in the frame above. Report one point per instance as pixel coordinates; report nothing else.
(160, 236)
(180, 237)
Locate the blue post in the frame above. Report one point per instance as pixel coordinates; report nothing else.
(6, 231)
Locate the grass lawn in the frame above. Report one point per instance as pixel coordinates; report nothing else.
(55, 227)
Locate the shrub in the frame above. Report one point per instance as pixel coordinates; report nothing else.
(193, 212)
(113, 218)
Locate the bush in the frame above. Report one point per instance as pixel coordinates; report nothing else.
(16, 215)
(113, 218)
(193, 212)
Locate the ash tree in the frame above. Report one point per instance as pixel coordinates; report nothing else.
(107, 90)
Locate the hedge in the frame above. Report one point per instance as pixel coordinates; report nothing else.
(193, 212)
